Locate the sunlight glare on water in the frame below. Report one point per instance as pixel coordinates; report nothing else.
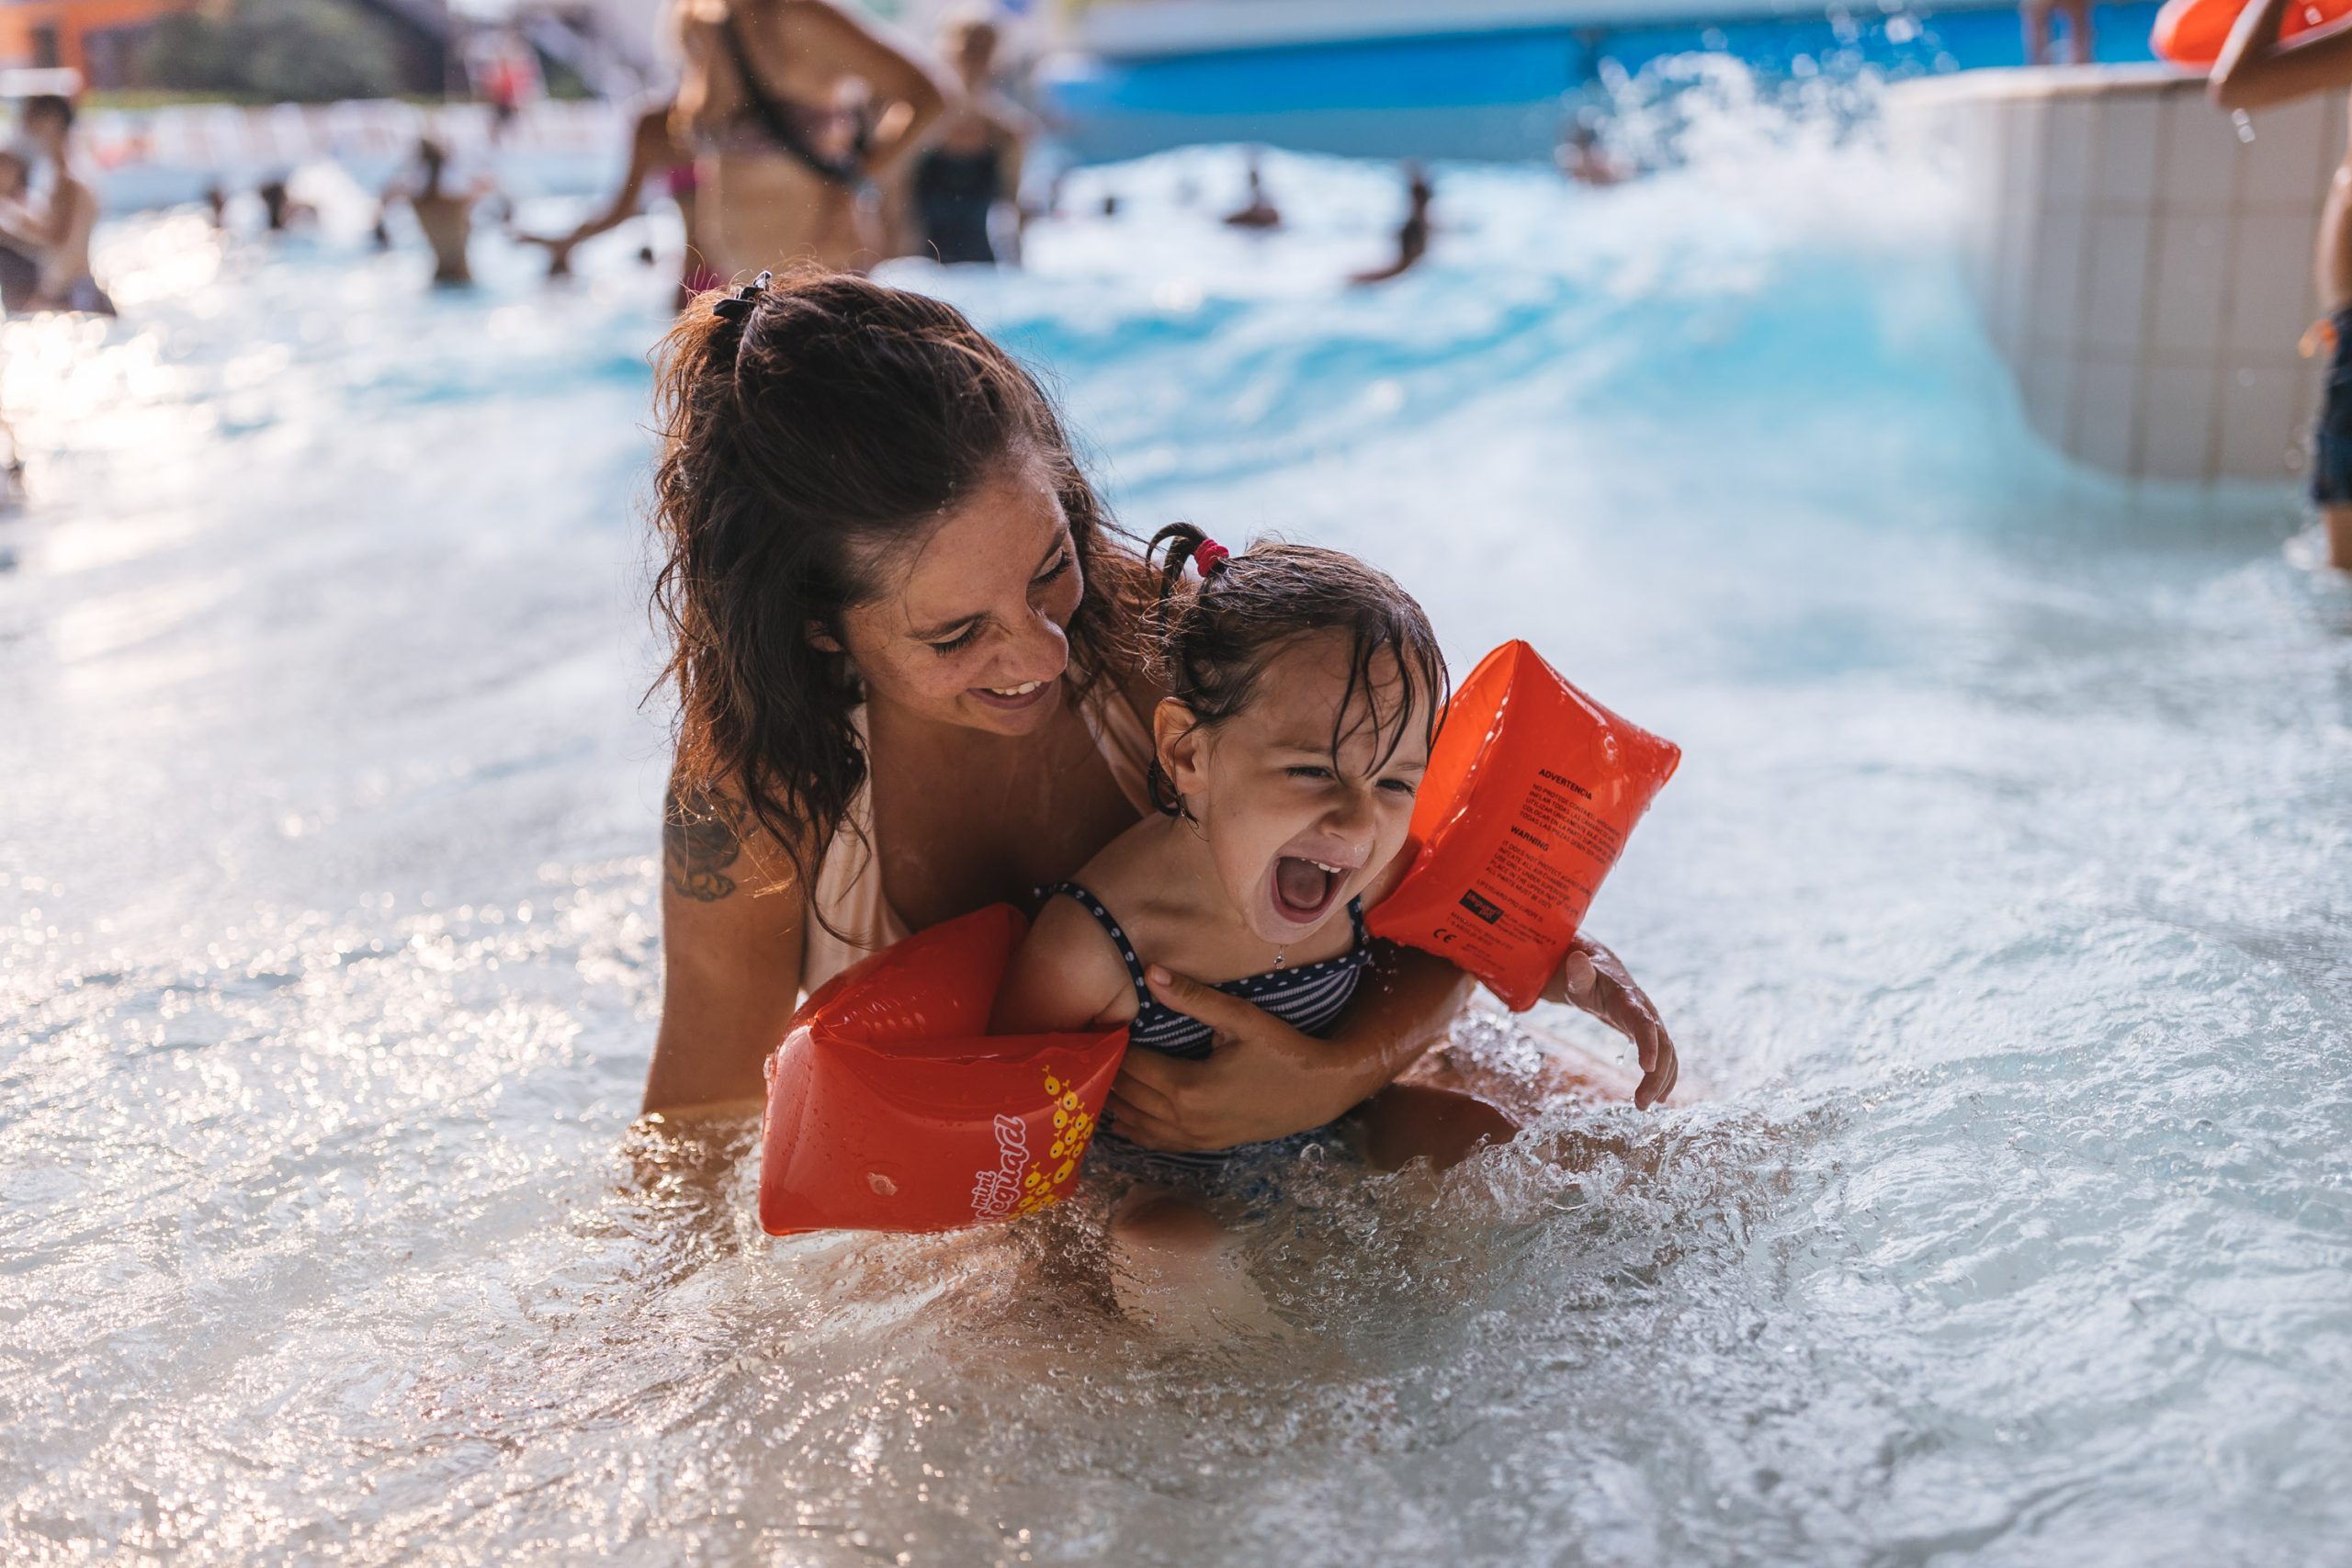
(2001, 906)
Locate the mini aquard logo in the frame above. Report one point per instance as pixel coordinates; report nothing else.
(997, 1191)
(1009, 1187)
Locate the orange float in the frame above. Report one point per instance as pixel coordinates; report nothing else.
(1530, 791)
(2192, 32)
(891, 1108)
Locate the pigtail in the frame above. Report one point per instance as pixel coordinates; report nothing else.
(1182, 539)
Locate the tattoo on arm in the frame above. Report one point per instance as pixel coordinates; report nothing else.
(702, 836)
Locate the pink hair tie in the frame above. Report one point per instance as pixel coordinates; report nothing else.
(1205, 555)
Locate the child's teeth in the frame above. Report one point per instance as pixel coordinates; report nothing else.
(1021, 691)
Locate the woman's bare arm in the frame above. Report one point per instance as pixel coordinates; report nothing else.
(2256, 71)
(730, 951)
(896, 74)
(650, 147)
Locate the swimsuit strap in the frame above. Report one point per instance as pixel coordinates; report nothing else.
(1119, 938)
(776, 119)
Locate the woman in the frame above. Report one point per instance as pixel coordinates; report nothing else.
(898, 611)
(974, 162)
(56, 235)
(654, 153)
(794, 109)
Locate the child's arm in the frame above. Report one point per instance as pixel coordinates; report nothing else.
(2256, 71)
(1593, 978)
(1064, 977)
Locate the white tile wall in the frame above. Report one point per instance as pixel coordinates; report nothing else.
(2143, 267)
(2175, 422)
(2056, 283)
(2198, 168)
(2115, 310)
(2192, 285)
(2289, 152)
(2106, 400)
(2271, 300)
(2127, 153)
(2259, 439)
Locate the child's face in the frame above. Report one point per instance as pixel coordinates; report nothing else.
(1294, 832)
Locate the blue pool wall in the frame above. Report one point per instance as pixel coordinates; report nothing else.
(1500, 95)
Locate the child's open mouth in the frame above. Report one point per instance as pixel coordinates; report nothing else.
(1303, 889)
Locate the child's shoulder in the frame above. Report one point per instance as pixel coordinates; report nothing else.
(1067, 974)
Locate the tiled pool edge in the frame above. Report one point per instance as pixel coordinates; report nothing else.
(2143, 270)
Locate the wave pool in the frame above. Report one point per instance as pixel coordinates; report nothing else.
(2002, 906)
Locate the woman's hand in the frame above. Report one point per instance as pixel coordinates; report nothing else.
(1595, 979)
(1262, 1078)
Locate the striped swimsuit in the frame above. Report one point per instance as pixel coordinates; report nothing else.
(1310, 999)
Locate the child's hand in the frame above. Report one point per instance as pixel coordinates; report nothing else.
(1593, 978)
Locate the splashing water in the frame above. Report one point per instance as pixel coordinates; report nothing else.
(2002, 904)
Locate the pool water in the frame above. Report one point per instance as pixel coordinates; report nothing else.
(2003, 905)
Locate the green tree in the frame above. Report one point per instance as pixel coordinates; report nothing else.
(285, 51)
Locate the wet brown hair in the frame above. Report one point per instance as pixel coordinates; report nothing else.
(808, 432)
(1209, 644)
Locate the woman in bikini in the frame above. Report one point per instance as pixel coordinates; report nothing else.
(654, 153)
(794, 109)
(900, 629)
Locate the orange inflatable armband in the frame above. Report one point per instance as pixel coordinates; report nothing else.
(2192, 32)
(1530, 791)
(891, 1108)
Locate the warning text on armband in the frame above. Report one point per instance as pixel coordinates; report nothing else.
(1569, 821)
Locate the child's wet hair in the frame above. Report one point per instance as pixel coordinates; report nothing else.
(1209, 644)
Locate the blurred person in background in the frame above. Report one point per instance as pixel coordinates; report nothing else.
(19, 260)
(55, 233)
(973, 164)
(1413, 234)
(654, 153)
(447, 216)
(281, 212)
(795, 109)
(1259, 212)
(2256, 71)
(2035, 16)
(1582, 157)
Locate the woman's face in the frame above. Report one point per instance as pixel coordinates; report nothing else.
(968, 625)
(1293, 830)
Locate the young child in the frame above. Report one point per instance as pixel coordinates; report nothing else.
(1305, 689)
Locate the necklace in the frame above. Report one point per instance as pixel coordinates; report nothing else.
(1278, 959)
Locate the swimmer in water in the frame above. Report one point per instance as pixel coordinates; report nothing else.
(2255, 70)
(445, 216)
(56, 234)
(1305, 689)
(654, 153)
(1259, 212)
(1582, 158)
(794, 108)
(1412, 235)
(19, 259)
